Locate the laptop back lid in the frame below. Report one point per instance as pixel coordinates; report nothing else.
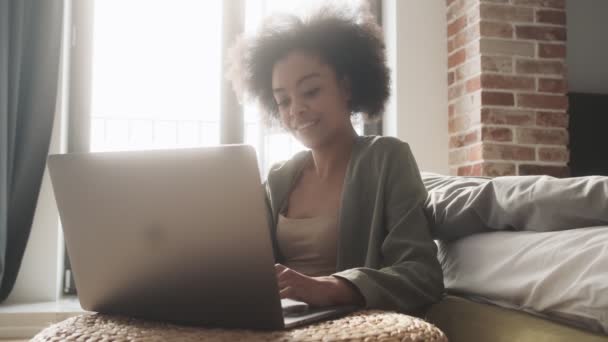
(179, 235)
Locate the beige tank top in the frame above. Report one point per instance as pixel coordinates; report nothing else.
(310, 245)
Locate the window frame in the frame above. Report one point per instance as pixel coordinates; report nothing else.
(232, 120)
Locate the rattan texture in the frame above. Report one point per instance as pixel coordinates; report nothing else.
(369, 325)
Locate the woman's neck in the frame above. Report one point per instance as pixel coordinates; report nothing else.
(331, 160)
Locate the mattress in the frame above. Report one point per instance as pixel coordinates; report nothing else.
(562, 276)
(465, 320)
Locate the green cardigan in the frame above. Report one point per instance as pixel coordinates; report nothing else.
(384, 246)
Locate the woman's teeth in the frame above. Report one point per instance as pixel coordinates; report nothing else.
(306, 125)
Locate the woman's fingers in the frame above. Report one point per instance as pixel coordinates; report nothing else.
(285, 274)
(288, 292)
(282, 274)
(297, 286)
(279, 268)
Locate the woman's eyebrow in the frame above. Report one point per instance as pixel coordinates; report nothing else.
(302, 79)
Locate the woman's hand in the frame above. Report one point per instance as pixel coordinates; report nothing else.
(316, 291)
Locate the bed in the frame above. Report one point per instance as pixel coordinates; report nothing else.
(524, 255)
(463, 320)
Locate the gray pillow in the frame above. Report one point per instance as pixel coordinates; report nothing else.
(461, 206)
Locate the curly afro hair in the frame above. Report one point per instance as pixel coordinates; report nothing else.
(349, 42)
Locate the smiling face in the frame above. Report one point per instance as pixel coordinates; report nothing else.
(312, 102)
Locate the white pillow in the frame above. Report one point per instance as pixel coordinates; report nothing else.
(563, 275)
(461, 206)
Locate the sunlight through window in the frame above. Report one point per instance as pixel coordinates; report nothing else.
(157, 75)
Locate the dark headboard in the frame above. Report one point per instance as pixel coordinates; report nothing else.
(588, 129)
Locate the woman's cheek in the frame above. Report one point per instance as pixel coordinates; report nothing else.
(284, 118)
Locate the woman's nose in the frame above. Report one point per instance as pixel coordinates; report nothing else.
(297, 108)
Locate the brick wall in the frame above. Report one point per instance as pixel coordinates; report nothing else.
(507, 87)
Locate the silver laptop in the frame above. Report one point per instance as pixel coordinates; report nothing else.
(174, 235)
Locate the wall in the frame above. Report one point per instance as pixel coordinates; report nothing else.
(415, 35)
(507, 87)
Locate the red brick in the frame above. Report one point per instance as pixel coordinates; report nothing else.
(450, 78)
(465, 139)
(497, 64)
(470, 170)
(449, 2)
(450, 111)
(500, 116)
(551, 17)
(552, 85)
(473, 48)
(490, 98)
(474, 153)
(498, 169)
(492, 81)
(553, 154)
(464, 170)
(457, 157)
(508, 152)
(500, 134)
(551, 50)
(456, 58)
(549, 33)
(464, 155)
(450, 45)
(555, 171)
(468, 104)
(542, 101)
(471, 68)
(477, 170)
(542, 136)
(552, 119)
(455, 91)
(473, 15)
(541, 3)
(459, 124)
(466, 36)
(457, 25)
(494, 29)
(456, 9)
(473, 84)
(539, 67)
(493, 46)
(507, 13)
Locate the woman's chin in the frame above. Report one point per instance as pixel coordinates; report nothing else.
(308, 141)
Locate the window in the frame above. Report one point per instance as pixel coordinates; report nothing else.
(147, 74)
(156, 75)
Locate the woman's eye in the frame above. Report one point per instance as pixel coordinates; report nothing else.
(283, 103)
(311, 92)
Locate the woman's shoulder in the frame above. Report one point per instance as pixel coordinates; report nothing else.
(389, 158)
(374, 146)
(287, 168)
(370, 150)
(292, 162)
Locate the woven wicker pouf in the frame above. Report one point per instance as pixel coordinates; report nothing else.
(368, 325)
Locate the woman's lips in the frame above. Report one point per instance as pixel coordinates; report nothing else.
(306, 125)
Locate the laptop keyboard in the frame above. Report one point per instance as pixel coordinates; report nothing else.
(293, 307)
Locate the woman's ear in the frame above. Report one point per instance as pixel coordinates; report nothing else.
(346, 89)
(345, 86)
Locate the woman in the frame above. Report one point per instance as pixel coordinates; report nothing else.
(346, 216)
